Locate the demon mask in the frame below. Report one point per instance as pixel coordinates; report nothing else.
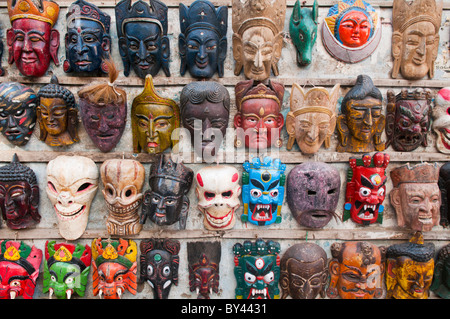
(441, 120)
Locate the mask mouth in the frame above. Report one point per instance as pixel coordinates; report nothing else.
(425, 218)
(368, 212)
(409, 139)
(262, 212)
(259, 293)
(123, 209)
(71, 212)
(220, 222)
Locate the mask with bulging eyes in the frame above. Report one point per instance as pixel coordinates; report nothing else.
(72, 182)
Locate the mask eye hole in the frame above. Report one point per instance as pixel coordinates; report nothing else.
(448, 111)
(227, 194)
(52, 187)
(311, 193)
(209, 195)
(84, 187)
(332, 191)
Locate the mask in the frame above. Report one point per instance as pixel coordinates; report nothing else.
(153, 119)
(441, 120)
(415, 37)
(366, 189)
(415, 196)
(441, 280)
(361, 123)
(312, 118)
(72, 182)
(444, 187)
(66, 269)
(356, 270)
(166, 202)
(32, 41)
(204, 259)
(257, 269)
(19, 195)
(87, 40)
(159, 262)
(122, 189)
(142, 32)
(410, 268)
(19, 269)
(304, 271)
(263, 191)
(203, 39)
(2, 70)
(313, 190)
(114, 268)
(218, 192)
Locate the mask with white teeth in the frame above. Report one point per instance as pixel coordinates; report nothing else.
(441, 120)
(72, 182)
(122, 188)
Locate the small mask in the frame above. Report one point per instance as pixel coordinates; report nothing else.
(361, 123)
(441, 120)
(19, 269)
(366, 189)
(142, 32)
(263, 191)
(122, 189)
(153, 119)
(19, 195)
(57, 115)
(410, 268)
(257, 269)
(304, 272)
(87, 40)
(408, 119)
(415, 196)
(204, 259)
(444, 186)
(312, 119)
(441, 279)
(72, 182)
(166, 202)
(66, 269)
(159, 262)
(312, 193)
(356, 270)
(218, 192)
(203, 39)
(114, 268)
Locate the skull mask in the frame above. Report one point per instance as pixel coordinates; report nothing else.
(218, 193)
(72, 182)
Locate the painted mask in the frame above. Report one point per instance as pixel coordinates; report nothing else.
(408, 119)
(304, 271)
(32, 41)
(303, 31)
(17, 112)
(352, 31)
(166, 202)
(441, 279)
(415, 196)
(312, 193)
(258, 119)
(122, 189)
(410, 268)
(444, 186)
(366, 189)
(19, 195)
(159, 262)
(66, 269)
(204, 259)
(153, 119)
(263, 191)
(2, 70)
(19, 269)
(218, 192)
(72, 182)
(356, 270)
(257, 269)
(361, 123)
(57, 115)
(207, 102)
(312, 119)
(87, 40)
(114, 268)
(257, 37)
(441, 120)
(142, 32)
(203, 39)
(415, 37)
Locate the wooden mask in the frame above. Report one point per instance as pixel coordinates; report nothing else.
(441, 120)
(444, 186)
(441, 279)
(2, 70)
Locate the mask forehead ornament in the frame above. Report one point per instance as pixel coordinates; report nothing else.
(441, 120)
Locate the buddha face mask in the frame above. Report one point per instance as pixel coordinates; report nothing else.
(441, 120)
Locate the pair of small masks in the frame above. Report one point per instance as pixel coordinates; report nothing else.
(114, 267)
(87, 40)
(441, 280)
(19, 269)
(444, 187)
(356, 270)
(72, 182)
(66, 269)
(32, 41)
(441, 120)
(122, 189)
